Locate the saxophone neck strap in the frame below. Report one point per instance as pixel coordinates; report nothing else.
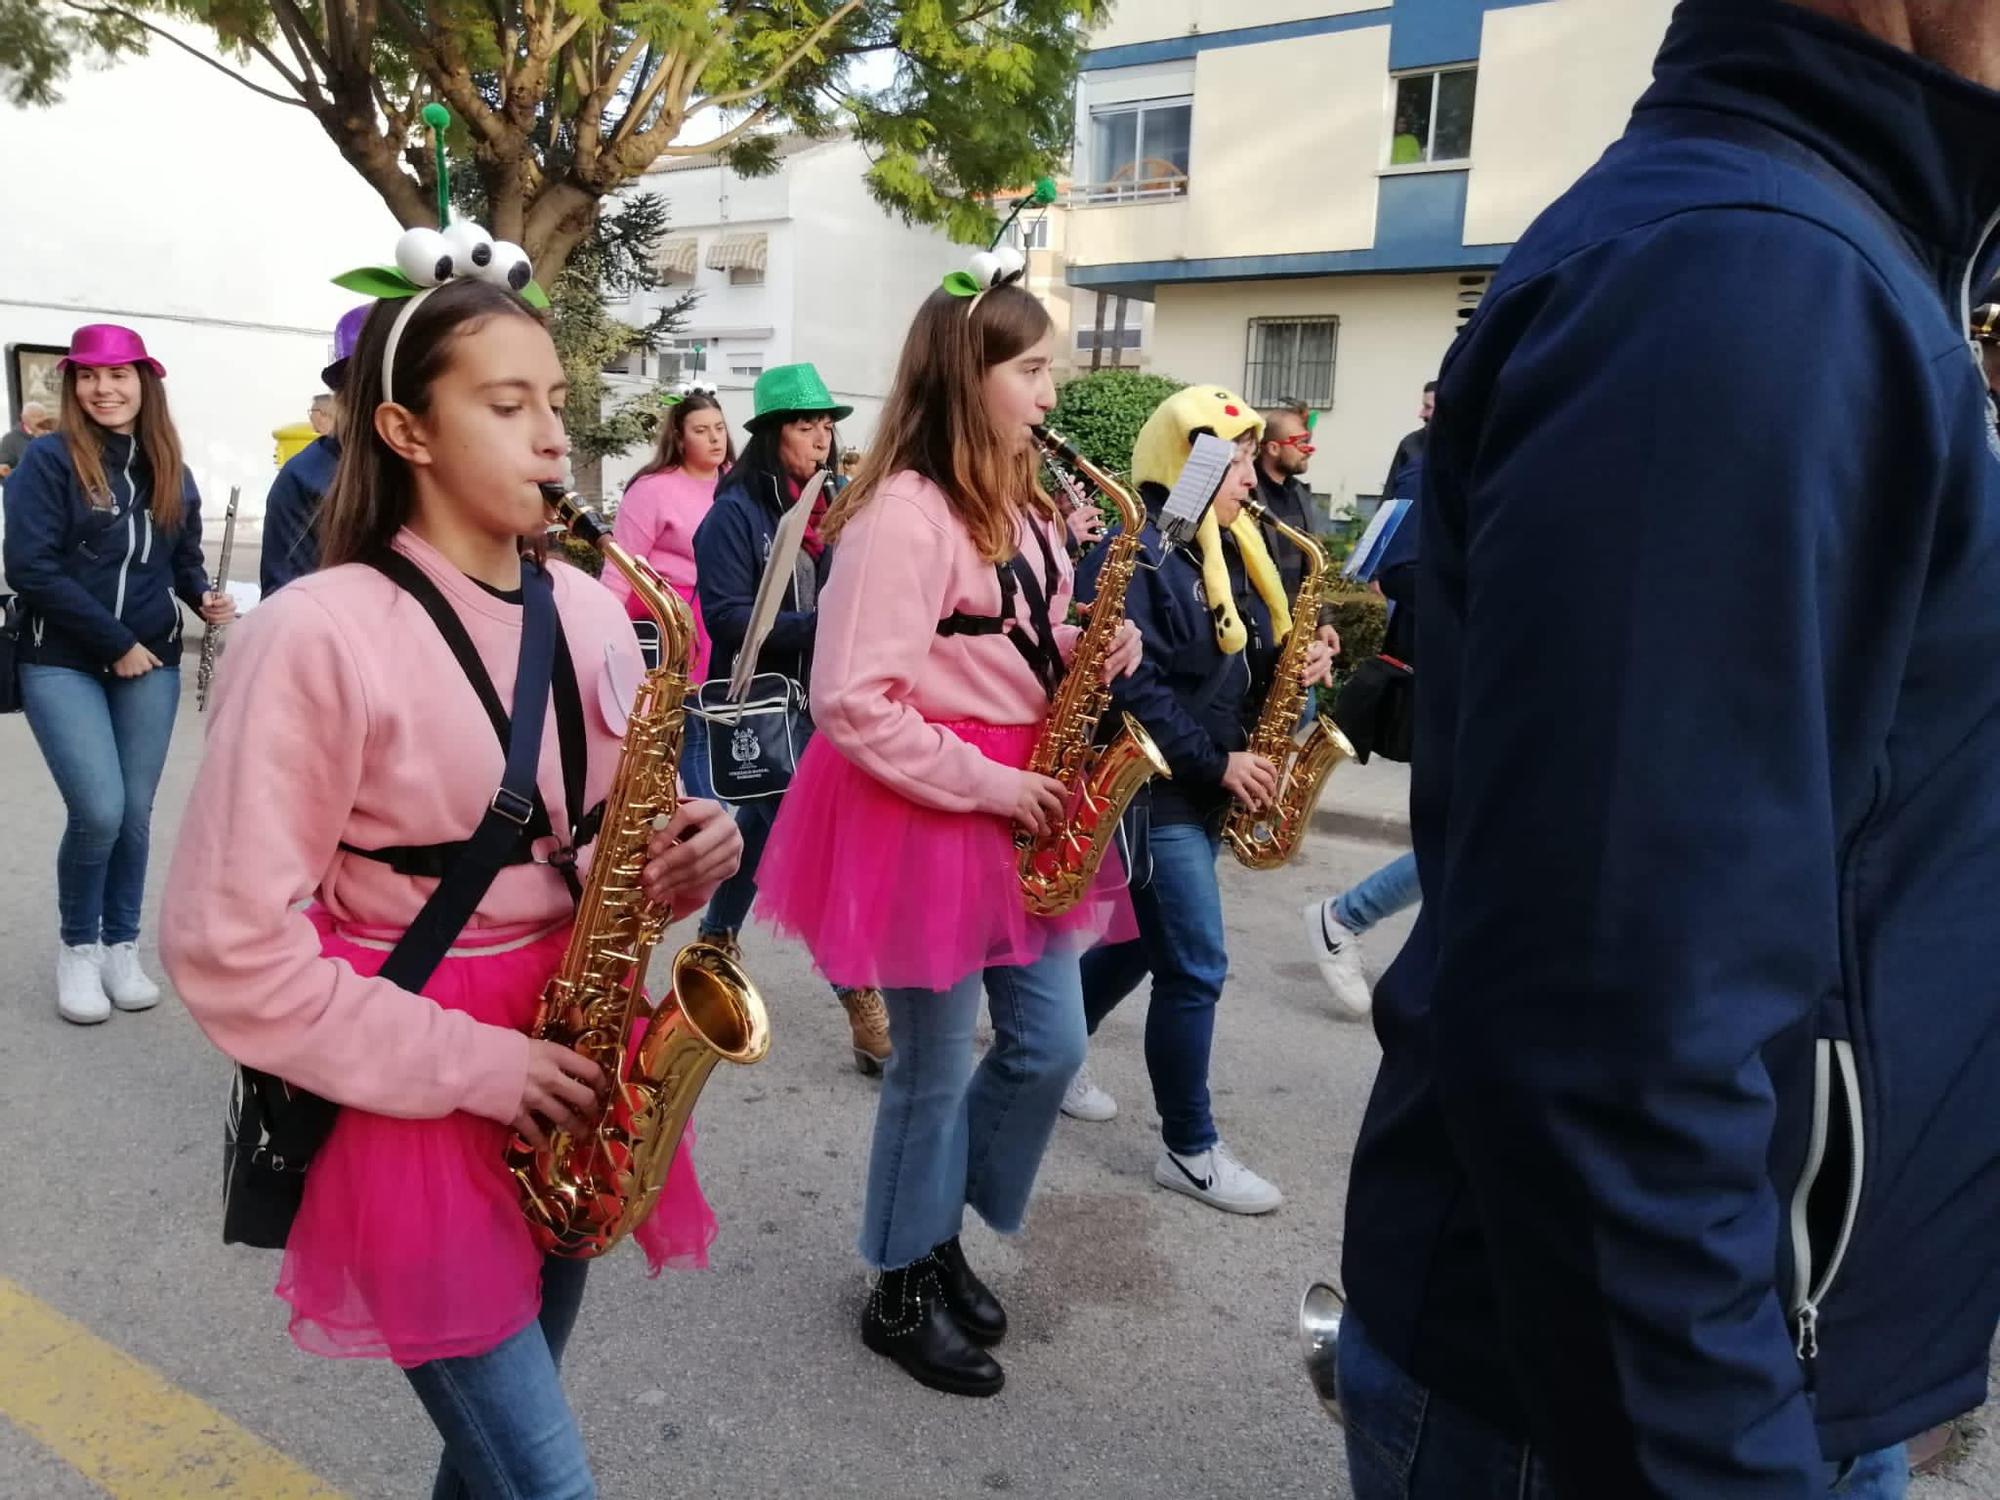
(1037, 643)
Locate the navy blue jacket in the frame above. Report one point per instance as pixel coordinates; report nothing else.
(730, 548)
(291, 514)
(1196, 703)
(1681, 1157)
(97, 581)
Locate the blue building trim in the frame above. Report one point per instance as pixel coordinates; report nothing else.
(1423, 34)
(1437, 33)
(1141, 277)
(1181, 48)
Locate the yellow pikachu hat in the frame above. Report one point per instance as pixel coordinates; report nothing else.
(1158, 457)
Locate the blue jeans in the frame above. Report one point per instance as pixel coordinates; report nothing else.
(1405, 1442)
(1180, 944)
(105, 741)
(695, 780)
(1389, 890)
(949, 1135)
(506, 1424)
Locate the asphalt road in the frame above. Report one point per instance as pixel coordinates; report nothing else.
(1153, 1352)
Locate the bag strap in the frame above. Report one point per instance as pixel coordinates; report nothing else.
(434, 861)
(458, 894)
(1037, 645)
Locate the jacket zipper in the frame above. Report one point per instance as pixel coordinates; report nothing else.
(132, 534)
(1965, 289)
(1810, 1290)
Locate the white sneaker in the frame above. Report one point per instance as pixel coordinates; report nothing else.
(1084, 1100)
(1217, 1178)
(1337, 951)
(80, 996)
(125, 982)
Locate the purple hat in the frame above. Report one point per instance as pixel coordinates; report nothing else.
(346, 334)
(109, 344)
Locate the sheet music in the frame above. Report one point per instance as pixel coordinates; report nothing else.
(1367, 554)
(1195, 490)
(771, 587)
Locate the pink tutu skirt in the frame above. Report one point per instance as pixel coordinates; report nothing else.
(884, 891)
(410, 1243)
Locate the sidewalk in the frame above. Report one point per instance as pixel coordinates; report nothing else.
(1369, 802)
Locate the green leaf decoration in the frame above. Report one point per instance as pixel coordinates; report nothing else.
(1312, 420)
(377, 281)
(961, 284)
(534, 296)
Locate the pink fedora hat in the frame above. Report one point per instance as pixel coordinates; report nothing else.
(109, 344)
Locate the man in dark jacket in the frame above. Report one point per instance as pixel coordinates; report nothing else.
(1410, 449)
(1677, 1179)
(1284, 453)
(791, 438)
(291, 510)
(1205, 615)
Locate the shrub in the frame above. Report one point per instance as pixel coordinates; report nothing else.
(1102, 413)
(1362, 618)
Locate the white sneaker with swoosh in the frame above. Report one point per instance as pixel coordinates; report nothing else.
(1217, 1178)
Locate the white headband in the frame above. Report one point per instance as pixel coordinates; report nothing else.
(403, 316)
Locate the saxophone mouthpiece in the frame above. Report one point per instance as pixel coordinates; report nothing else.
(578, 519)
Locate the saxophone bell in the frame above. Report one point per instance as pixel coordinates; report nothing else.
(1320, 1310)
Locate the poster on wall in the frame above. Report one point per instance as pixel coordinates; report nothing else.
(31, 376)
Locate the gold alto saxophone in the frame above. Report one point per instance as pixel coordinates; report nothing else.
(1304, 758)
(1058, 867)
(584, 1192)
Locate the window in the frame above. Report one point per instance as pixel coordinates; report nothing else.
(749, 371)
(1028, 234)
(1132, 337)
(746, 275)
(1291, 359)
(1139, 150)
(1433, 121)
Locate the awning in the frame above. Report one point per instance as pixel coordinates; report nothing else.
(737, 252)
(677, 256)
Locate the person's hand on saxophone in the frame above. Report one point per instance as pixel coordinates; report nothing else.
(685, 861)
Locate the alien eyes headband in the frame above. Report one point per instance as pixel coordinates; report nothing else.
(427, 259)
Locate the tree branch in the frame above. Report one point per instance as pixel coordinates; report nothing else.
(777, 75)
(227, 72)
(724, 141)
(303, 39)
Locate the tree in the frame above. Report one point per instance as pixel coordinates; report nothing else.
(614, 263)
(559, 103)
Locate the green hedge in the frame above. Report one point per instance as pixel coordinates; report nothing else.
(1102, 413)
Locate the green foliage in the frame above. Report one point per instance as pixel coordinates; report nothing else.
(560, 103)
(1102, 413)
(578, 554)
(39, 43)
(1362, 617)
(616, 262)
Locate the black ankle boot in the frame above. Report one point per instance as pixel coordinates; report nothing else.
(907, 1320)
(971, 1301)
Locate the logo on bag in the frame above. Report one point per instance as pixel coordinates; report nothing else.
(743, 746)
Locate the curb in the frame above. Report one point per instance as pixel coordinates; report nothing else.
(1371, 828)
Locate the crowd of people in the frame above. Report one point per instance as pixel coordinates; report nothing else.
(1676, 1178)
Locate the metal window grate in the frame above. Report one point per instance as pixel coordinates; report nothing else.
(1291, 359)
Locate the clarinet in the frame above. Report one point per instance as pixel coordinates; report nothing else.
(211, 636)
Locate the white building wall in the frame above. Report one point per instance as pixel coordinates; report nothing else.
(160, 195)
(1150, 20)
(1530, 139)
(862, 275)
(1394, 330)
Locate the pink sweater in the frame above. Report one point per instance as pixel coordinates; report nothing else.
(883, 679)
(341, 716)
(656, 521)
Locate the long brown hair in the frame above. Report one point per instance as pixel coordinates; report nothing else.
(154, 436)
(372, 496)
(670, 453)
(935, 420)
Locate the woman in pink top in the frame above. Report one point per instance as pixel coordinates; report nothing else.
(940, 639)
(664, 503)
(346, 743)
